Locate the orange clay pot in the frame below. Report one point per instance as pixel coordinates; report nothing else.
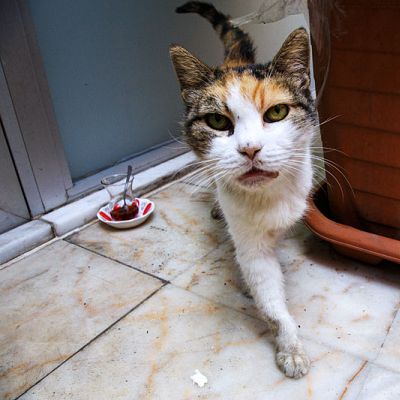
(363, 93)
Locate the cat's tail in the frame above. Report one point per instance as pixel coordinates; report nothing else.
(239, 47)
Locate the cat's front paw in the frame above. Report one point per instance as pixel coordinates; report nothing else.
(294, 364)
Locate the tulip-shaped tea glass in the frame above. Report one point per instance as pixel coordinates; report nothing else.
(115, 185)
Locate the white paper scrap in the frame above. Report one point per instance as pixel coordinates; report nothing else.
(198, 378)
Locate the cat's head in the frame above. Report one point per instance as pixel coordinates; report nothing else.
(249, 120)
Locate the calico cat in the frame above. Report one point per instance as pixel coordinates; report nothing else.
(252, 125)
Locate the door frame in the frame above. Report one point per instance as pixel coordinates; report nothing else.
(27, 113)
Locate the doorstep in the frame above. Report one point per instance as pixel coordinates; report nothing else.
(23, 238)
(73, 215)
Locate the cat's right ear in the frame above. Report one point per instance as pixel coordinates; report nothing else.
(191, 72)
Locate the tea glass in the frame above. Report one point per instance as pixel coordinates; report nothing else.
(115, 185)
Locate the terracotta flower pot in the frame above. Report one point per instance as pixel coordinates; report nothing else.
(356, 243)
(362, 93)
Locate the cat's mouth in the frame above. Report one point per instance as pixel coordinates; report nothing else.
(256, 175)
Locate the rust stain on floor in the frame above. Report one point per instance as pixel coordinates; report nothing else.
(24, 368)
(193, 281)
(362, 318)
(351, 380)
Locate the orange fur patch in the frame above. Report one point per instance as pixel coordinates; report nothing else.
(262, 93)
(219, 91)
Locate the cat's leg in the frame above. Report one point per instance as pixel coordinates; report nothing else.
(264, 278)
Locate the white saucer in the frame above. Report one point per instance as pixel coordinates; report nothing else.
(146, 208)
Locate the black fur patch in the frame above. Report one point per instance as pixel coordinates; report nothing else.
(238, 45)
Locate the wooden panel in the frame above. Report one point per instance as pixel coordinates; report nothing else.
(370, 110)
(363, 90)
(376, 146)
(380, 71)
(369, 28)
(367, 177)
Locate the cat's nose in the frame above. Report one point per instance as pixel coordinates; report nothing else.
(249, 151)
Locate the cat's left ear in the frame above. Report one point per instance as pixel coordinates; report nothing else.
(294, 58)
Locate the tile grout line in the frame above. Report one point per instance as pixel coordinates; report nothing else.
(138, 269)
(93, 339)
(397, 312)
(303, 336)
(372, 361)
(164, 281)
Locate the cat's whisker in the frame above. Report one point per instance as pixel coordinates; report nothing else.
(325, 148)
(330, 119)
(207, 182)
(176, 147)
(317, 174)
(330, 174)
(200, 178)
(204, 162)
(175, 138)
(207, 178)
(203, 172)
(199, 174)
(192, 176)
(336, 167)
(221, 176)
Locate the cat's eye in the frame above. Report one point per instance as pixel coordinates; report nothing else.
(218, 122)
(276, 113)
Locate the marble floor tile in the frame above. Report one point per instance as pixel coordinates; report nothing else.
(180, 232)
(389, 356)
(55, 301)
(380, 384)
(217, 277)
(336, 301)
(154, 350)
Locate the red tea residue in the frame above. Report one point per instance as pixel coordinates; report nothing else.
(121, 213)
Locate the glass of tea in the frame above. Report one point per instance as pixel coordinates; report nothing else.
(118, 209)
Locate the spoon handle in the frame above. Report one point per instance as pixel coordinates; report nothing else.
(128, 177)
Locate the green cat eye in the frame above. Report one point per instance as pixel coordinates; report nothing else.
(218, 122)
(276, 113)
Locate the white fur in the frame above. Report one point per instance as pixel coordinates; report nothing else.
(259, 214)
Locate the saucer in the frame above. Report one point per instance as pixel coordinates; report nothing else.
(145, 206)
